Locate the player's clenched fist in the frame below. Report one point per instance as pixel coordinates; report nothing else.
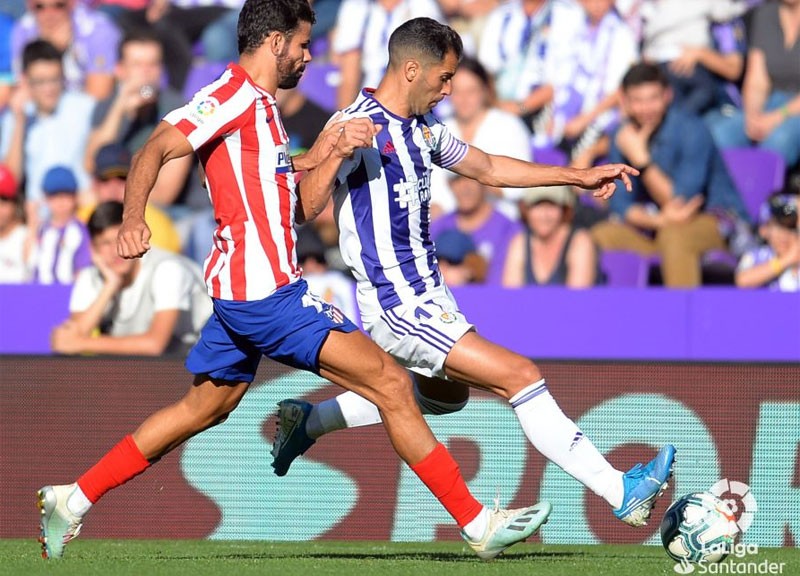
(355, 133)
(133, 240)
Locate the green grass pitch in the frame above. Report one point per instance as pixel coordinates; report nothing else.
(318, 558)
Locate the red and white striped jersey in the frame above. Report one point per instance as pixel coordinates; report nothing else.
(235, 128)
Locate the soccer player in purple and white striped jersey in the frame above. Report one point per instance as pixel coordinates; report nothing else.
(382, 207)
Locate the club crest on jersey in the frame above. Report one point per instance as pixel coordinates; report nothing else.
(447, 317)
(427, 135)
(283, 162)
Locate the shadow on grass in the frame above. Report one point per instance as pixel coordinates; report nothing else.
(360, 556)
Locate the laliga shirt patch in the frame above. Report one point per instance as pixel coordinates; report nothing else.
(204, 108)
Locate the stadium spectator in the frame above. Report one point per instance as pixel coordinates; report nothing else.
(478, 122)
(684, 203)
(405, 306)
(550, 252)
(458, 258)
(775, 265)
(135, 108)
(6, 68)
(62, 247)
(86, 38)
(331, 285)
(677, 36)
(586, 109)
(475, 215)
(770, 115)
(261, 305)
(111, 167)
(528, 45)
(44, 125)
(359, 39)
(14, 239)
(146, 307)
(179, 24)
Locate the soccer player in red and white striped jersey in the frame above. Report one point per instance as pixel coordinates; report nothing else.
(262, 306)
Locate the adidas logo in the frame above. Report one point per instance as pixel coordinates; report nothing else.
(388, 148)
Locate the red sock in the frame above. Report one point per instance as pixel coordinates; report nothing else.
(120, 464)
(440, 473)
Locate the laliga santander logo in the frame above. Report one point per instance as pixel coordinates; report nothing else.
(738, 497)
(740, 500)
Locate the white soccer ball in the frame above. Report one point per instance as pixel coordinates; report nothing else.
(699, 528)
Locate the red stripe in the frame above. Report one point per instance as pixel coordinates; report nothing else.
(255, 193)
(229, 208)
(215, 287)
(185, 126)
(284, 194)
(238, 264)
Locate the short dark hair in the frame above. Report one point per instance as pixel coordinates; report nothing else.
(106, 215)
(138, 35)
(38, 51)
(643, 73)
(259, 18)
(425, 37)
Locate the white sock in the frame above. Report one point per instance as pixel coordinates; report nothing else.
(78, 503)
(348, 410)
(560, 441)
(478, 526)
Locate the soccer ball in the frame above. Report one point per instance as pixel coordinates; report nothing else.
(699, 528)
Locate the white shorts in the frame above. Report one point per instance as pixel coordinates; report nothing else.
(421, 334)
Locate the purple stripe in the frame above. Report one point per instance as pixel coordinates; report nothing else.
(530, 395)
(444, 336)
(419, 330)
(419, 335)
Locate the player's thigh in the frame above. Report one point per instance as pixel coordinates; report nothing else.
(213, 396)
(478, 362)
(353, 361)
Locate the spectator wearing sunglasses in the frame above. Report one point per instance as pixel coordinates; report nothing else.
(776, 265)
(87, 39)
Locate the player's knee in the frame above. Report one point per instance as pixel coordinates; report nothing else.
(522, 374)
(395, 392)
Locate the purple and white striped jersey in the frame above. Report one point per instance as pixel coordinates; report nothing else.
(382, 200)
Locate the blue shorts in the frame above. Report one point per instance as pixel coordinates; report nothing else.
(289, 326)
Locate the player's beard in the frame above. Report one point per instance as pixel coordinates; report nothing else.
(289, 73)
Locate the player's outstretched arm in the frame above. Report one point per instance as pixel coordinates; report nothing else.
(165, 143)
(506, 172)
(316, 188)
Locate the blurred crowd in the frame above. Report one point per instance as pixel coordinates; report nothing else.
(701, 96)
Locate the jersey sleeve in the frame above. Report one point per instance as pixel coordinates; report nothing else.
(448, 150)
(216, 110)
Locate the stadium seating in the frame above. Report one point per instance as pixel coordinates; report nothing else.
(757, 173)
(625, 268)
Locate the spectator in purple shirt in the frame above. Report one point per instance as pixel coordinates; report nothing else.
(87, 38)
(63, 247)
(475, 215)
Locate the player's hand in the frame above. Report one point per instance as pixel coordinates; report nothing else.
(602, 179)
(325, 142)
(355, 133)
(133, 239)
